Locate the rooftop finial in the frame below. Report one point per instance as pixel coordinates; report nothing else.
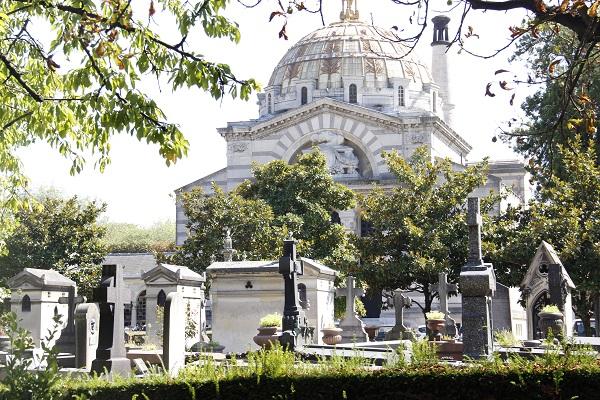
(347, 13)
(228, 250)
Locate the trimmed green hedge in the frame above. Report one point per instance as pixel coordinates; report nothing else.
(432, 383)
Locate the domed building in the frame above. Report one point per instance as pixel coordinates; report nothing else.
(352, 90)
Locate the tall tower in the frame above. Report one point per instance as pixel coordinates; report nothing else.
(439, 63)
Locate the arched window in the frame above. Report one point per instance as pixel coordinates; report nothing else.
(401, 102)
(26, 304)
(269, 107)
(304, 95)
(434, 105)
(140, 309)
(161, 299)
(353, 92)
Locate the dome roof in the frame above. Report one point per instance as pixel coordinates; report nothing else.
(349, 48)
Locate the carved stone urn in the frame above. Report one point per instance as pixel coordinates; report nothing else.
(267, 337)
(435, 326)
(332, 336)
(552, 321)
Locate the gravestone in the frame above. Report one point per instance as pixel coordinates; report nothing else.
(444, 289)
(87, 321)
(353, 329)
(174, 333)
(111, 296)
(477, 283)
(399, 331)
(293, 321)
(66, 341)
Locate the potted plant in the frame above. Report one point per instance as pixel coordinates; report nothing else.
(267, 330)
(551, 318)
(435, 323)
(332, 335)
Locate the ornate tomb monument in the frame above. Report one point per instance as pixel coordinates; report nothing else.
(546, 282)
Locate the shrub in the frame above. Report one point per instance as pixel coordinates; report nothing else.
(434, 315)
(550, 308)
(506, 338)
(270, 320)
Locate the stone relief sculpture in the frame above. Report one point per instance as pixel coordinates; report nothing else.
(341, 159)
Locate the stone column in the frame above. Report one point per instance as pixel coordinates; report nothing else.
(477, 283)
(174, 333)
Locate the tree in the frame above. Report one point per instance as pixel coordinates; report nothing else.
(418, 228)
(131, 238)
(550, 121)
(298, 198)
(305, 199)
(251, 223)
(565, 214)
(70, 71)
(60, 234)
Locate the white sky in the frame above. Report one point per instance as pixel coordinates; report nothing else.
(138, 186)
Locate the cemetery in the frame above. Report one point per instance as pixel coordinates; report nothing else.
(348, 249)
(307, 350)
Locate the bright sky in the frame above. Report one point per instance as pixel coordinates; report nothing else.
(138, 186)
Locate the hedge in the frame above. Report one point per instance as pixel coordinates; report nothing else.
(433, 383)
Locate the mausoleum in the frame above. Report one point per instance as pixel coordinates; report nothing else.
(242, 292)
(351, 90)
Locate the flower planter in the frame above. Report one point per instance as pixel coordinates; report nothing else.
(371, 332)
(267, 337)
(553, 321)
(435, 327)
(332, 336)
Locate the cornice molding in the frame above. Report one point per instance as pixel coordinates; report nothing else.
(293, 117)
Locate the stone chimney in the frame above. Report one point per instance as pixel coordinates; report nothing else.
(439, 64)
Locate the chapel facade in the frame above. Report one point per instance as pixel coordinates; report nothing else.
(350, 89)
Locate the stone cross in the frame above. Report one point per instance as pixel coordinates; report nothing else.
(474, 221)
(477, 284)
(111, 296)
(293, 317)
(73, 301)
(66, 341)
(350, 292)
(399, 331)
(228, 250)
(353, 329)
(443, 288)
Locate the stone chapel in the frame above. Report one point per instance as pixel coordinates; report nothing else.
(348, 89)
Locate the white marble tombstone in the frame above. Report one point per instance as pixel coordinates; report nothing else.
(244, 291)
(536, 291)
(164, 279)
(87, 328)
(35, 300)
(174, 333)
